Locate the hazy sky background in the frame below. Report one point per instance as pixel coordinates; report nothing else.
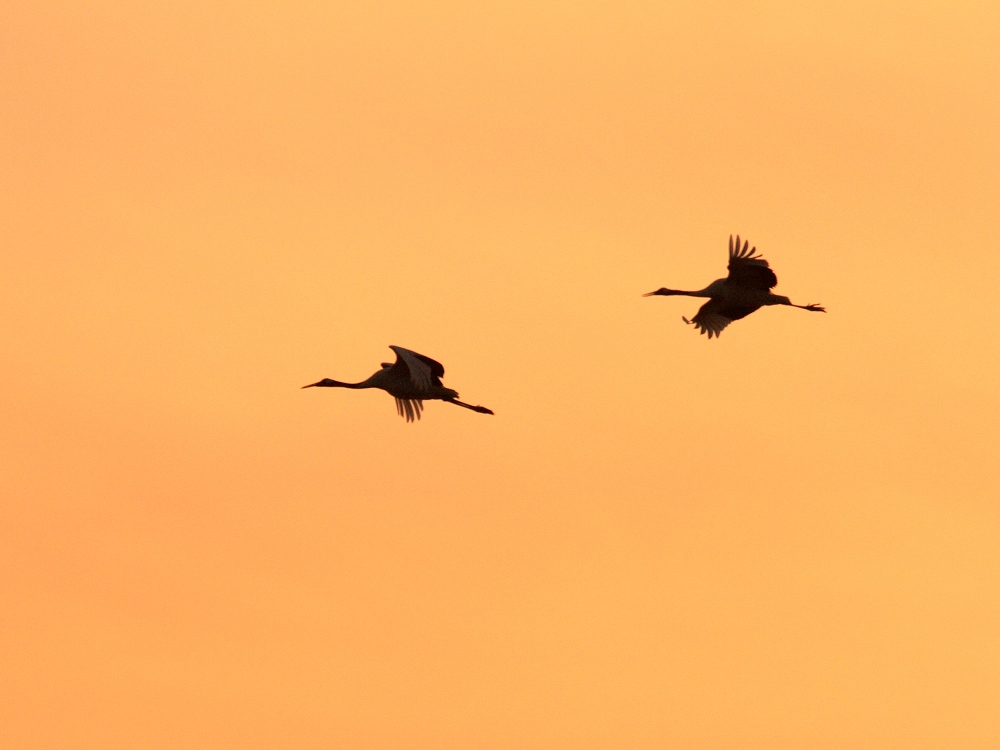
(786, 538)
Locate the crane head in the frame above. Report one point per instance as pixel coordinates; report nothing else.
(325, 383)
(664, 292)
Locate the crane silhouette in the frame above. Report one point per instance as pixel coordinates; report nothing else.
(746, 289)
(411, 380)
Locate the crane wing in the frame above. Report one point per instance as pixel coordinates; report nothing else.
(437, 369)
(715, 315)
(423, 371)
(747, 269)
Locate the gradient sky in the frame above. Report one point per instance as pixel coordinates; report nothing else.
(785, 538)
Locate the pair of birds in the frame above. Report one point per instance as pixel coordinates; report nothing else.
(414, 378)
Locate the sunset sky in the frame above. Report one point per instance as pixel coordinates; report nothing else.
(785, 538)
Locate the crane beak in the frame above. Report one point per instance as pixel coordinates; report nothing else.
(661, 292)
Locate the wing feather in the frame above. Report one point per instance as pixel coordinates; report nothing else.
(410, 408)
(715, 315)
(747, 269)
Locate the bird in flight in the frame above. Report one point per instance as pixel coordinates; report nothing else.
(746, 289)
(411, 380)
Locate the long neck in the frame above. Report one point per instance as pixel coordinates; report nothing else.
(680, 293)
(328, 383)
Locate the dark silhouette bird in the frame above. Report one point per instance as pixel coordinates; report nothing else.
(746, 289)
(411, 380)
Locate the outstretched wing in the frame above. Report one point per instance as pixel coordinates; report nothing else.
(747, 269)
(715, 315)
(423, 371)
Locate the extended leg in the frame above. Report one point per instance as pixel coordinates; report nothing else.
(480, 409)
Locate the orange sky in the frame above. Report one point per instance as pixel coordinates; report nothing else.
(785, 538)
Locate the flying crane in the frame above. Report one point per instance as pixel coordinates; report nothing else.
(746, 289)
(411, 380)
